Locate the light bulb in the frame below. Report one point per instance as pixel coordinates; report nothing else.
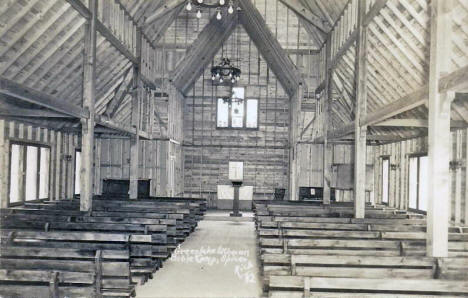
(221, 80)
(213, 77)
(189, 6)
(230, 9)
(233, 80)
(221, 2)
(230, 74)
(218, 16)
(200, 1)
(217, 75)
(199, 14)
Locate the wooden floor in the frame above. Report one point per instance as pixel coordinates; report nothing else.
(218, 260)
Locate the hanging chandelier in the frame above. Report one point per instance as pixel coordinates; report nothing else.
(225, 71)
(218, 4)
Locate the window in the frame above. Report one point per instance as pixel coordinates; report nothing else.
(418, 183)
(235, 112)
(15, 172)
(44, 173)
(29, 172)
(385, 178)
(77, 172)
(252, 113)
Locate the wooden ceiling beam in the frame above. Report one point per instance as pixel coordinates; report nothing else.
(164, 25)
(451, 82)
(26, 94)
(120, 93)
(111, 38)
(31, 113)
(370, 15)
(271, 50)
(202, 51)
(412, 122)
(23, 93)
(304, 13)
(102, 29)
(167, 8)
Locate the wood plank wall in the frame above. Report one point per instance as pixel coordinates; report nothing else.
(207, 150)
(311, 169)
(161, 160)
(61, 171)
(153, 156)
(399, 155)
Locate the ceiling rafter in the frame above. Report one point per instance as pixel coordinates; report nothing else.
(454, 81)
(23, 93)
(271, 50)
(165, 9)
(202, 51)
(119, 95)
(303, 12)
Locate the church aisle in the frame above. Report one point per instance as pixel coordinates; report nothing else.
(218, 260)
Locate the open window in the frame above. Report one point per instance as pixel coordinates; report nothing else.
(385, 179)
(417, 187)
(29, 172)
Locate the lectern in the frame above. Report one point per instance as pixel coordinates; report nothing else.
(236, 175)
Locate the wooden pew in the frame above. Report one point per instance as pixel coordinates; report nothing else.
(157, 233)
(363, 266)
(298, 286)
(111, 267)
(350, 234)
(138, 247)
(43, 283)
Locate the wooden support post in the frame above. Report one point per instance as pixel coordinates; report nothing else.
(294, 112)
(439, 131)
(360, 131)
(4, 165)
(135, 139)
(87, 125)
(327, 147)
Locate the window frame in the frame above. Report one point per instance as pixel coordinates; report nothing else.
(418, 175)
(382, 159)
(244, 119)
(24, 145)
